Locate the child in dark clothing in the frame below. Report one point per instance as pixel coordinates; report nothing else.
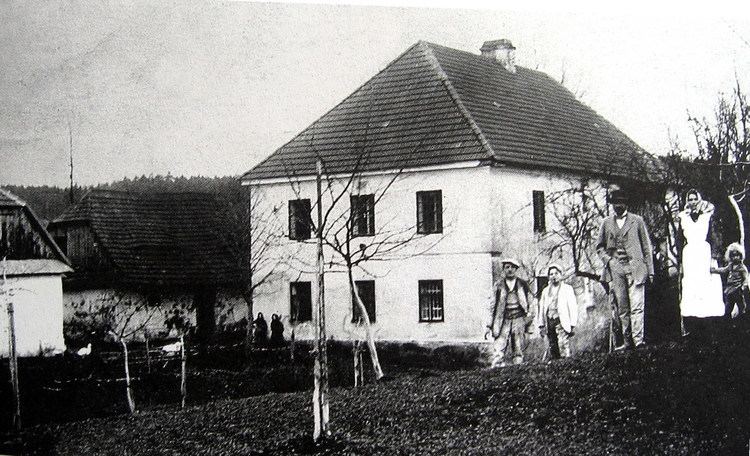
(736, 279)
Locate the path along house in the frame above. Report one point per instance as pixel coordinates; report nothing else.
(144, 260)
(31, 271)
(475, 143)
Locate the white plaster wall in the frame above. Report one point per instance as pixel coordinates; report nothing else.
(38, 316)
(467, 292)
(488, 214)
(231, 307)
(460, 257)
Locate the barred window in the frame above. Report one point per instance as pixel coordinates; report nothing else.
(299, 219)
(430, 212)
(540, 225)
(300, 302)
(363, 215)
(366, 290)
(430, 300)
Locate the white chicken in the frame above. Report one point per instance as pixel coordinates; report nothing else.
(172, 348)
(85, 351)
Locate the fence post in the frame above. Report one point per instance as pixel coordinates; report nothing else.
(148, 351)
(13, 364)
(128, 391)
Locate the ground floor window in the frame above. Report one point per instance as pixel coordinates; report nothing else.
(300, 302)
(366, 290)
(430, 300)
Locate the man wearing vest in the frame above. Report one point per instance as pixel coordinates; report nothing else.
(558, 313)
(624, 247)
(512, 314)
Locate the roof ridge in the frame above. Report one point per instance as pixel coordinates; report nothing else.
(13, 197)
(34, 220)
(147, 192)
(304, 130)
(435, 63)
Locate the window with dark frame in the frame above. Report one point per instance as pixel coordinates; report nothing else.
(431, 300)
(299, 219)
(366, 290)
(363, 215)
(300, 302)
(540, 224)
(430, 212)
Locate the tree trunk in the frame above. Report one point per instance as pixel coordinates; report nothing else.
(128, 390)
(320, 392)
(183, 371)
(740, 219)
(368, 328)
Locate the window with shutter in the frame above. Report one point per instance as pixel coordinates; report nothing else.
(540, 225)
(430, 212)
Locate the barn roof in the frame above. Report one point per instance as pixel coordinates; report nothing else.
(174, 239)
(434, 105)
(9, 200)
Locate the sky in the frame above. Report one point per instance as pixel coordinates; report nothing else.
(193, 88)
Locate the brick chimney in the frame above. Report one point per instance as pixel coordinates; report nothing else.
(501, 50)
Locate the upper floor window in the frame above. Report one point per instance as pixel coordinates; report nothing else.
(300, 302)
(430, 300)
(299, 219)
(430, 212)
(366, 290)
(540, 224)
(363, 215)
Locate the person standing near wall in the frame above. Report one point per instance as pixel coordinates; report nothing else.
(625, 249)
(512, 314)
(558, 313)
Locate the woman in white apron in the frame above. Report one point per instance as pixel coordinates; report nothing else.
(701, 291)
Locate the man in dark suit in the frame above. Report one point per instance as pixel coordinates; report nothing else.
(625, 249)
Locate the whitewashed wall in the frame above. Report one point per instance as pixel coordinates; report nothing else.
(487, 214)
(38, 307)
(231, 307)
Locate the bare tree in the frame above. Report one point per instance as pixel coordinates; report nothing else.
(723, 149)
(352, 235)
(350, 197)
(578, 212)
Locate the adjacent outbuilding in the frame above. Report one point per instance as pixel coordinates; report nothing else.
(31, 271)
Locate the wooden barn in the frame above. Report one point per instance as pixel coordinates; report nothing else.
(31, 271)
(148, 262)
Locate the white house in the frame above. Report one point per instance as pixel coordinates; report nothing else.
(454, 152)
(31, 270)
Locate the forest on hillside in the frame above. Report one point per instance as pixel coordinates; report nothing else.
(49, 202)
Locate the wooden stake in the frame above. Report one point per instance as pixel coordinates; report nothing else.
(358, 365)
(12, 352)
(183, 378)
(148, 352)
(128, 391)
(13, 362)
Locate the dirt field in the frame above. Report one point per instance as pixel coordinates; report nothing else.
(682, 397)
